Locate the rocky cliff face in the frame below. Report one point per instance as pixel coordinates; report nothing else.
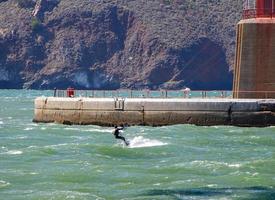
(105, 44)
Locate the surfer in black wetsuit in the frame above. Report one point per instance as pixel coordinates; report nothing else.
(116, 133)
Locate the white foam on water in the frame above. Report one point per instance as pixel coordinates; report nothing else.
(32, 124)
(73, 129)
(28, 129)
(79, 137)
(32, 147)
(4, 184)
(68, 195)
(99, 130)
(21, 137)
(210, 164)
(13, 152)
(237, 165)
(236, 131)
(33, 173)
(139, 142)
(59, 145)
(212, 185)
(1, 122)
(254, 137)
(50, 124)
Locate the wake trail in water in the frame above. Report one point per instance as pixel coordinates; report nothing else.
(140, 142)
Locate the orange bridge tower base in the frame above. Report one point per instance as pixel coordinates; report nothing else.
(254, 72)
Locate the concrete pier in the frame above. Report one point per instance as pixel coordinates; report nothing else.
(155, 112)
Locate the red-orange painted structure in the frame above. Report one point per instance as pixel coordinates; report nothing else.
(259, 9)
(254, 72)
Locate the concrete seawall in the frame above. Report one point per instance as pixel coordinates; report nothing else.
(155, 112)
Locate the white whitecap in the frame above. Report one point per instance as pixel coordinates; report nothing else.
(212, 185)
(100, 130)
(139, 142)
(1, 122)
(237, 165)
(78, 137)
(72, 129)
(32, 124)
(28, 129)
(21, 137)
(236, 131)
(13, 152)
(254, 137)
(211, 164)
(33, 173)
(4, 183)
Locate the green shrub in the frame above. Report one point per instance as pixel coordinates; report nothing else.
(36, 25)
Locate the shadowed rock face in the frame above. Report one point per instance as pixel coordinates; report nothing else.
(106, 45)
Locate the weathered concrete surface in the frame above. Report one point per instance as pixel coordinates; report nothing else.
(155, 112)
(254, 73)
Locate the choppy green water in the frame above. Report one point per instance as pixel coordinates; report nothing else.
(49, 161)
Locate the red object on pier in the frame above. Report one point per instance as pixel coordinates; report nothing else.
(70, 92)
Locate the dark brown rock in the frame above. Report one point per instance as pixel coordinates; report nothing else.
(108, 44)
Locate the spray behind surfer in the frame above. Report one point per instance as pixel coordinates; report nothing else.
(117, 135)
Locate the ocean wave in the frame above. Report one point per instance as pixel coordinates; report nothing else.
(24, 109)
(236, 131)
(63, 194)
(58, 145)
(13, 152)
(28, 129)
(254, 137)
(79, 137)
(99, 130)
(31, 124)
(82, 129)
(19, 137)
(4, 184)
(72, 129)
(1, 122)
(247, 173)
(139, 142)
(206, 163)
